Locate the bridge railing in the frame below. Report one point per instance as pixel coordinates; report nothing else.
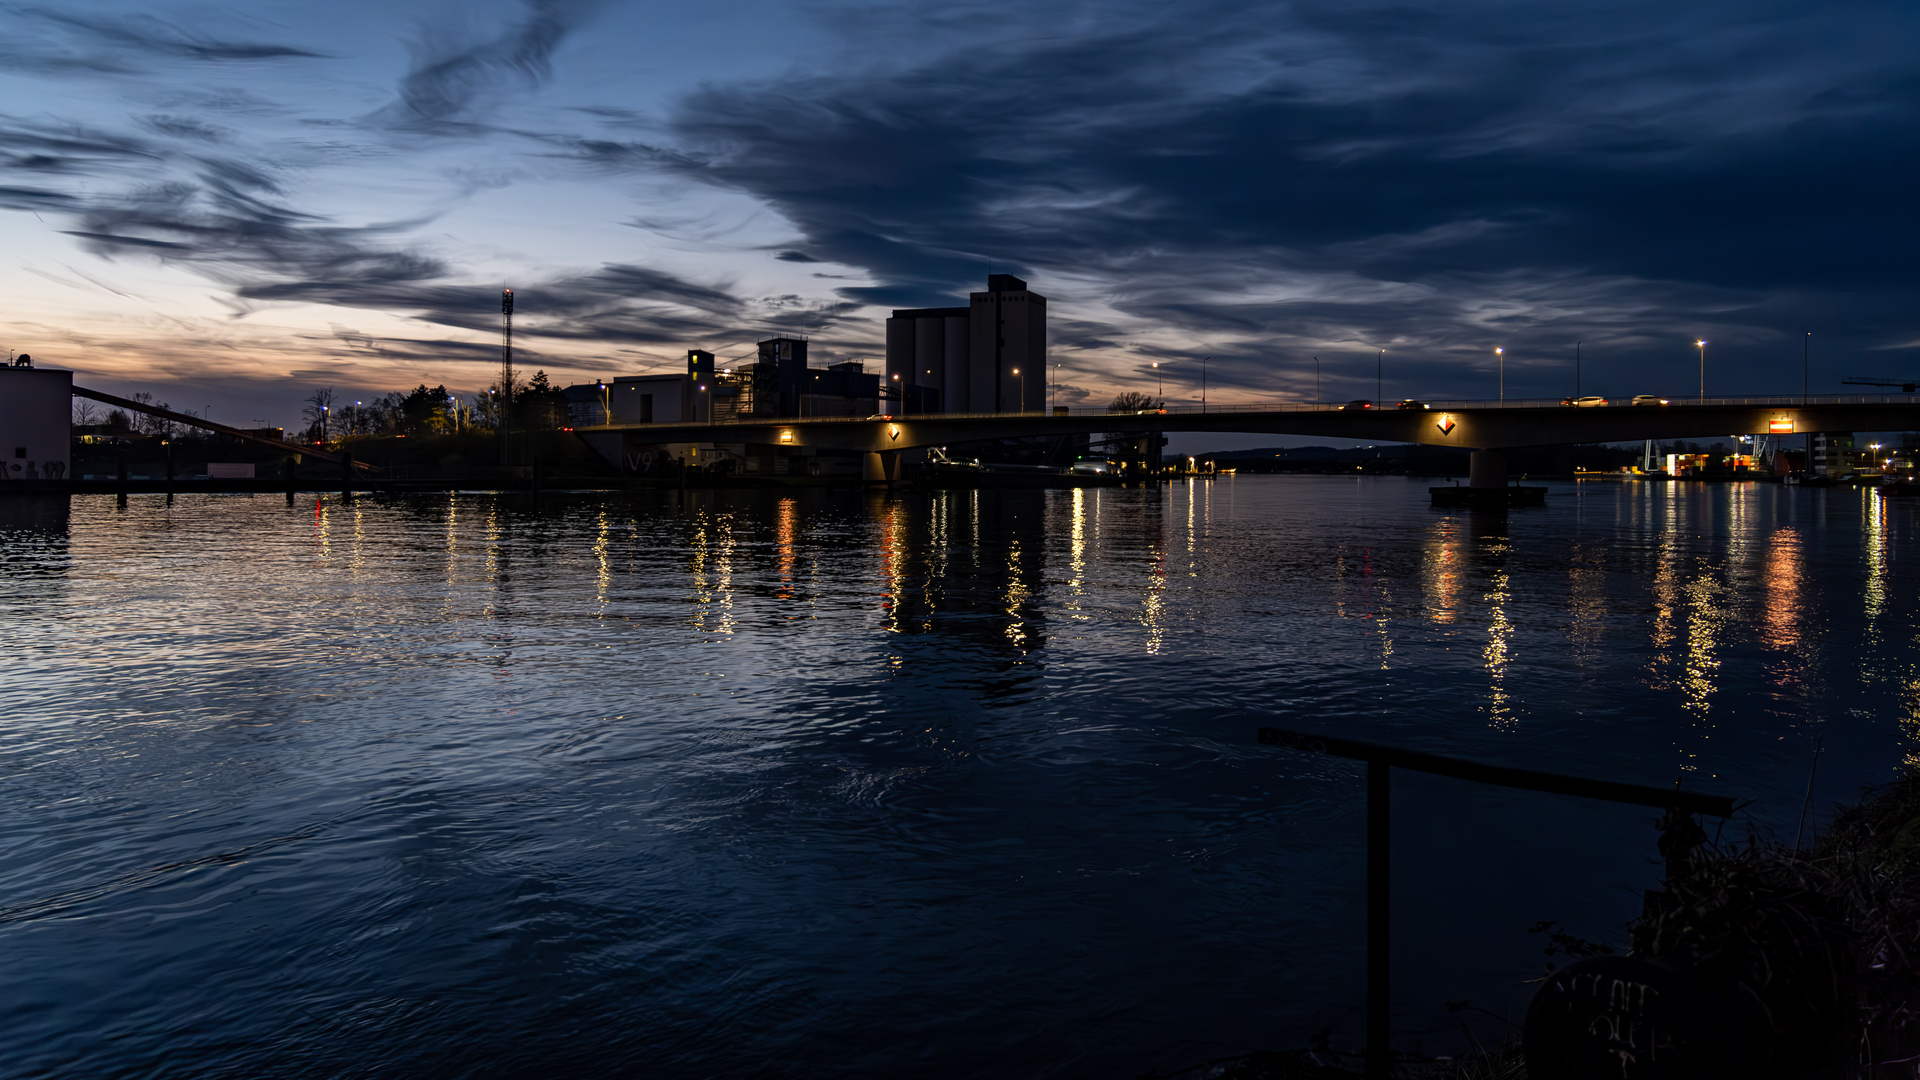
(1142, 418)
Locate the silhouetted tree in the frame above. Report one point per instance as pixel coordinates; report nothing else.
(539, 405)
(147, 423)
(317, 413)
(424, 410)
(1132, 401)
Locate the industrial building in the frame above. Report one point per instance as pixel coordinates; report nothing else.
(36, 409)
(777, 384)
(646, 399)
(987, 357)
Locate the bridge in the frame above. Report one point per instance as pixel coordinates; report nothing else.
(1487, 427)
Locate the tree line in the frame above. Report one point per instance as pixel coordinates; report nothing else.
(432, 410)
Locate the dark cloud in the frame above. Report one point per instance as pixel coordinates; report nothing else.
(1433, 177)
(796, 256)
(455, 79)
(182, 127)
(137, 34)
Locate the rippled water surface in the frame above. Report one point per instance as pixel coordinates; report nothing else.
(810, 783)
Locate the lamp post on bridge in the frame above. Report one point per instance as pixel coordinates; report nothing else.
(1502, 354)
(1702, 346)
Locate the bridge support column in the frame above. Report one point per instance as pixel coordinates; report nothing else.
(882, 467)
(1487, 469)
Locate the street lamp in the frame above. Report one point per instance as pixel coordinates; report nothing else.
(899, 394)
(606, 400)
(1023, 389)
(1203, 382)
(1159, 383)
(1502, 354)
(1379, 365)
(1702, 346)
(323, 423)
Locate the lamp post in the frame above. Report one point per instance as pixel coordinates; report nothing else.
(1203, 382)
(1159, 383)
(353, 422)
(1023, 389)
(1806, 355)
(899, 394)
(1576, 371)
(1379, 365)
(1316, 380)
(606, 401)
(1502, 354)
(323, 424)
(1702, 346)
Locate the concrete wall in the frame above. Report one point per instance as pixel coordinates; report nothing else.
(671, 403)
(36, 423)
(929, 353)
(954, 394)
(1009, 334)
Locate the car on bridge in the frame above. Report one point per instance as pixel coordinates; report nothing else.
(1649, 399)
(1357, 404)
(1409, 403)
(1591, 401)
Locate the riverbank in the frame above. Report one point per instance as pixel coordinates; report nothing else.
(1812, 949)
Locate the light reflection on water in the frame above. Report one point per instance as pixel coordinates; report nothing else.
(944, 784)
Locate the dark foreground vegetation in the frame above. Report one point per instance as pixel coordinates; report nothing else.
(1805, 964)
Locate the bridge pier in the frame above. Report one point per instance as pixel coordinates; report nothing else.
(1487, 469)
(881, 467)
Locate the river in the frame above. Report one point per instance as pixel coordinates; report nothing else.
(796, 783)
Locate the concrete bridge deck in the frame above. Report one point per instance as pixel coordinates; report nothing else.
(1474, 425)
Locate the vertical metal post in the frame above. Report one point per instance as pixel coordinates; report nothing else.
(1379, 919)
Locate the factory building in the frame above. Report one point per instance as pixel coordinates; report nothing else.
(646, 399)
(36, 407)
(990, 356)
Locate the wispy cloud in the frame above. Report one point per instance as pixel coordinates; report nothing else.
(58, 40)
(458, 73)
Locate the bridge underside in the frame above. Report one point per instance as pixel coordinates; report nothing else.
(1470, 429)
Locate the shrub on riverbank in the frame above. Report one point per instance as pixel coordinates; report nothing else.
(1820, 947)
(1827, 940)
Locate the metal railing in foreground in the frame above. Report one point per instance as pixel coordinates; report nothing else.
(1379, 760)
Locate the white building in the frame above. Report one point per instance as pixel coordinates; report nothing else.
(36, 423)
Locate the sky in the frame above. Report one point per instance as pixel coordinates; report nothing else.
(230, 206)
